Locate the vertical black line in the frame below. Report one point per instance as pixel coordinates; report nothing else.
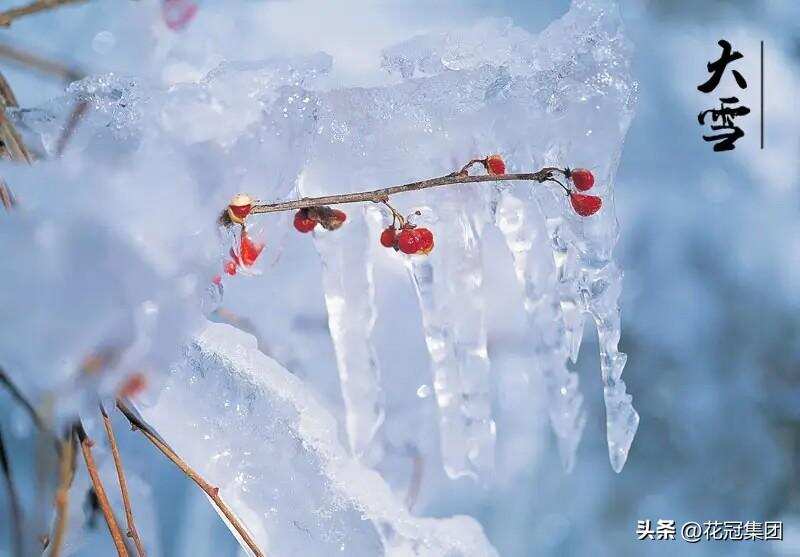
(762, 94)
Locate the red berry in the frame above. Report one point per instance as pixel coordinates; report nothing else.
(415, 241)
(302, 222)
(230, 267)
(495, 165)
(250, 250)
(239, 207)
(585, 205)
(338, 217)
(217, 280)
(178, 13)
(408, 241)
(425, 240)
(132, 386)
(388, 237)
(582, 178)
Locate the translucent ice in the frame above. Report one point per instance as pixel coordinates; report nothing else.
(254, 430)
(350, 300)
(529, 242)
(448, 285)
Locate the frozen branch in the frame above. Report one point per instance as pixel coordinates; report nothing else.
(382, 195)
(102, 498)
(123, 484)
(13, 500)
(8, 16)
(65, 476)
(211, 491)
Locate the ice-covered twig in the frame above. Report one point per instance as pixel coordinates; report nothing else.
(8, 16)
(123, 484)
(13, 499)
(38, 63)
(17, 395)
(381, 195)
(210, 490)
(12, 145)
(97, 483)
(66, 472)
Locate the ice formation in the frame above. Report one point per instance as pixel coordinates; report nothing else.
(124, 243)
(256, 432)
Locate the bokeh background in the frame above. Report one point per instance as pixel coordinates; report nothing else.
(710, 245)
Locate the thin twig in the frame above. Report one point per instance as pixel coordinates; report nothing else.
(102, 498)
(211, 491)
(66, 474)
(16, 393)
(72, 124)
(7, 96)
(40, 64)
(381, 195)
(34, 7)
(12, 145)
(123, 484)
(13, 500)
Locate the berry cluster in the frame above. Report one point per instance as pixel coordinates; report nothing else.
(401, 235)
(411, 240)
(305, 220)
(584, 205)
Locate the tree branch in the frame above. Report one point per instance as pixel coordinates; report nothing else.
(102, 498)
(382, 195)
(7, 17)
(211, 491)
(13, 500)
(66, 475)
(40, 64)
(123, 484)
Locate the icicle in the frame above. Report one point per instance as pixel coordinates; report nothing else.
(350, 299)
(448, 285)
(530, 245)
(566, 259)
(601, 290)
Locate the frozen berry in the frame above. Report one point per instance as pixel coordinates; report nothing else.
(250, 250)
(388, 237)
(178, 13)
(585, 205)
(425, 237)
(337, 217)
(415, 241)
(302, 222)
(239, 207)
(132, 386)
(582, 178)
(495, 165)
(230, 267)
(217, 280)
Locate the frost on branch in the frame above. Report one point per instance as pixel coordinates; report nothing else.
(255, 431)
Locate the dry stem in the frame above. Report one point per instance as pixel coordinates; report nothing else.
(211, 491)
(381, 195)
(7, 17)
(66, 475)
(39, 63)
(123, 484)
(13, 500)
(102, 498)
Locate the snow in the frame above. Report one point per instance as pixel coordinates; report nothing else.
(255, 431)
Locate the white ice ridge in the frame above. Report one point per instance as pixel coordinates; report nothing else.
(254, 430)
(448, 285)
(527, 238)
(350, 299)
